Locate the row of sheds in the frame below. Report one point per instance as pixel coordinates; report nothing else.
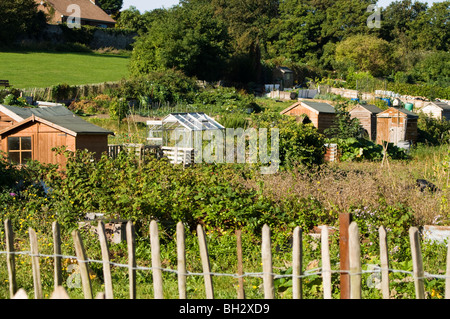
(393, 125)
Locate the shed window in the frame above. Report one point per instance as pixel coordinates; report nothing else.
(19, 149)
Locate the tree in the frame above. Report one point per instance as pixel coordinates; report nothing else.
(19, 17)
(186, 37)
(344, 126)
(111, 7)
(365, 53)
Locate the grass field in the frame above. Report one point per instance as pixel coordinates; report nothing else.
(44, 69)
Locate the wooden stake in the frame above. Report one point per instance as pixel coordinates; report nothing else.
(181, 255)
(83, 264)
(106, 262)
(384, 259)
(240, 268)
(297, 264)
(344, 223)
(131, 259)
(57, 277)
(417, 262)
(156, 261)
(326, 265)
(205, 262)
(35, 264)
(355, 261)
(10, 258)
(266, 251)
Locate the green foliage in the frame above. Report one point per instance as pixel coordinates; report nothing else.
(118, 109)
(110, 6)
(11, 99)
(344, 126)
(433, 131)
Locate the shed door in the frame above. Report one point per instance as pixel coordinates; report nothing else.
(396, 131)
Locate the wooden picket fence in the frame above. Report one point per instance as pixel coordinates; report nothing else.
(351, 244)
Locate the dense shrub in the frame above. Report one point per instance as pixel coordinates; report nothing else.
(433, 131)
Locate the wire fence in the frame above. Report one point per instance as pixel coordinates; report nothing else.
(355, 269)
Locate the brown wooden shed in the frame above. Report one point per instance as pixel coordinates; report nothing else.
(395, 125)
(45, 128)
(367, 116)
(438, 110)
(321, 114)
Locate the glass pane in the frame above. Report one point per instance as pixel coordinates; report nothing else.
(26, 143)
(26, 156)
(14, 157)
(13, 143)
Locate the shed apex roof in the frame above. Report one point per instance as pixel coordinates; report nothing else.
(58, 116)
(441, 105)
(369, 107)
(401, 110)
(88, 10)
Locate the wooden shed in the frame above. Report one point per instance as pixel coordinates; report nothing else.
(367, 116)
(321, 114)
(438, 110)
(395, 125)
(283, 76)
(42, 129)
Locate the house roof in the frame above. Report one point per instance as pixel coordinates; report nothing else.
(56, 116)
(193, 121)
(369, 107)
(88, 10)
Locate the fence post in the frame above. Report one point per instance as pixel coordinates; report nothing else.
(156, 261)
(384, 260)
(105, 258)
(83, 264)
(181, 263)
(131, 259)
(354, 261)
(205, 262)
(344, 222)
(447, 273)
(269, 292)
(417, 263)
(240, 270)
(10, 258)
(297, 257)
(35, 264)
(57, 252)
(326, 265)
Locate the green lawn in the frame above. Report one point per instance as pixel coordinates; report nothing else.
(39, 69)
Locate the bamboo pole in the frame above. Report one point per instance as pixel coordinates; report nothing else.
(326, 265)
(35, 264)
(297, 264)
(83, 264)
(240, 268)
(354, 261)
(384, 259)
(10, 258)
(156, 261)
(266, 252)
(131, 259)
(57, 277)
(181, 256)
(106, 262)
(205, 262)
(416, 254)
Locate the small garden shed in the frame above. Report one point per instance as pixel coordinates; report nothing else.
(367, 116)
(283, 76)
(438, 110)
(321, 114)
(395, 125)
(31, 133)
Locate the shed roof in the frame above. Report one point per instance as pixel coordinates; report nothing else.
(319, 107)
(441, 105)
(285, 69)
(88, 10)
(401, 110)
(369, 107)
(56, 116)
(193, 121)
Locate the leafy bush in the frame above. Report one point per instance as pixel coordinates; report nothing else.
(433, 131)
